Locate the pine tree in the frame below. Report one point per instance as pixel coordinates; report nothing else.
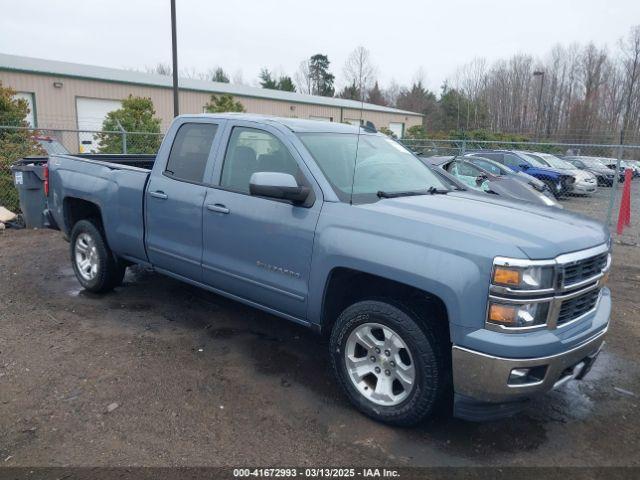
(224, 103)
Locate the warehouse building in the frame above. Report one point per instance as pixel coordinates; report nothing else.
(73, 96)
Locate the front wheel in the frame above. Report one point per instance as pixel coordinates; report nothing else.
(391, 364)
(552, 188)
(94, 264)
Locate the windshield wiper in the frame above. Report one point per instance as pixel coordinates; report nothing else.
(411, 193)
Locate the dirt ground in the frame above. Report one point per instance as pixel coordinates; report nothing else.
(159, 373)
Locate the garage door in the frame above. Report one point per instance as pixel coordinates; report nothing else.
(28, 97)
(91, 113)
(397, 128)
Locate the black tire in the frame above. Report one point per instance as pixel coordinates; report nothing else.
(428, 344)
(110, 271)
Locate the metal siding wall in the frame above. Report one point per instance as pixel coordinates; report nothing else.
(56, 107)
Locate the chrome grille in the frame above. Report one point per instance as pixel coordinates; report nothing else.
(584, 269)
(575, 307)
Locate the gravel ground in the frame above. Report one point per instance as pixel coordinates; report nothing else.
(159, 373)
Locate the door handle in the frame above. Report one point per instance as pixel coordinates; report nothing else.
(218, 208)
(159, 194)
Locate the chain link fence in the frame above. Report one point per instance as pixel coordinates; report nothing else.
(18, 142)
(583, 178)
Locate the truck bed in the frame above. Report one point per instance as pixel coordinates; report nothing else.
(115, 184)
(139, 161)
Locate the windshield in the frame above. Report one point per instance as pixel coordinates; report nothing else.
(383, 165)
(533, 160)
(592, 162)
(555, 162)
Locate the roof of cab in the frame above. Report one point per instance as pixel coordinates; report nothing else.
(293, 124)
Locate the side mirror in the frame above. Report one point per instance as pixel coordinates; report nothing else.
(524, 166)
(277, 185)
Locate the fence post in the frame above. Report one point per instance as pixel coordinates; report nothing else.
(464, 146)
(616, 178)
(124, 137)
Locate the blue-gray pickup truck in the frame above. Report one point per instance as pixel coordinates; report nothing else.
(430, 296)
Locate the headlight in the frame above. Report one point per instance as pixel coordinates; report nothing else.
(523, 278)
(518, 315)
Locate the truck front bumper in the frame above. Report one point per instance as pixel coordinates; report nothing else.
(487, 388)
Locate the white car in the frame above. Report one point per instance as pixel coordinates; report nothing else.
(586, 182)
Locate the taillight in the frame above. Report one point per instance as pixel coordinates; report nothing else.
(46, 180)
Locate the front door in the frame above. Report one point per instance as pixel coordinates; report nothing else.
(256, 248)
(174, 201)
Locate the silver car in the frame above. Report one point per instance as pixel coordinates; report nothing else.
(586, 182)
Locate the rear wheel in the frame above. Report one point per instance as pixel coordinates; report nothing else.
(392, 365)
(94, 264)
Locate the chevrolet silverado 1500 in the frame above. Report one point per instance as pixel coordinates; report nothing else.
(429, 295)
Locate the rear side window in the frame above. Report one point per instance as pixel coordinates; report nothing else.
(487, 166)
(190, 151)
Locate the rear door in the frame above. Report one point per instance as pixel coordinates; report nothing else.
(257, 248)
(175, 196)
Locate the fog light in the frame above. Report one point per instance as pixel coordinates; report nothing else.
(527, 376)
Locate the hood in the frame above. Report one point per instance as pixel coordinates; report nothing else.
(539, 232)
(601, 170)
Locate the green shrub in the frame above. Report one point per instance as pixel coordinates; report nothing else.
(15, 143)
(136, 115)
(8, 192)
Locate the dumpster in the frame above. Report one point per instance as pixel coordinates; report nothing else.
(28, 177)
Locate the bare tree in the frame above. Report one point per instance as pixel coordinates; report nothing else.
(359, 71)
(159, 68)
(631, 67)
(391, 93)
(238, 78)
(303, 77)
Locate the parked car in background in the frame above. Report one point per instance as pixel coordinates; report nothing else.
(50, 145)
(586, 183)
(498, 168)
(477, 178)
(603, 174)
(631, 164)
(559, 182)
(611, 163)
(429, 296)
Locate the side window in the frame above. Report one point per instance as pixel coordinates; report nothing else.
(464, 169)
(190, 151)
(512, 161)
(487, 166)
(251, 150)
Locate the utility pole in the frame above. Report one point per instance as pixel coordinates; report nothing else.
(174, 53)
(539, 73)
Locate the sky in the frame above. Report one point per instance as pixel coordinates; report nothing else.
(406, 39)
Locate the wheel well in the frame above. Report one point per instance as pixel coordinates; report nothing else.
(76, 209)
(347, 286)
